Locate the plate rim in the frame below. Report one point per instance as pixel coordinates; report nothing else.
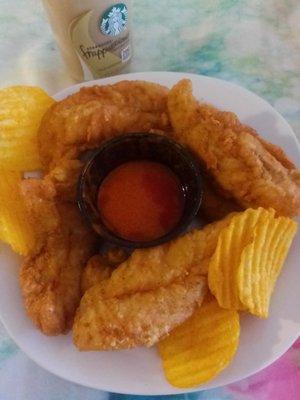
(143, 76)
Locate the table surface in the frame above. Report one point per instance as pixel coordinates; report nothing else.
(251, 42)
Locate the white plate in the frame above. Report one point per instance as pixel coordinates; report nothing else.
(138, 371)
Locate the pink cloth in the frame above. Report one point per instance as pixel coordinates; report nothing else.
(280, 381)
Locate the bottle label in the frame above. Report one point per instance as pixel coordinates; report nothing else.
(101, 42)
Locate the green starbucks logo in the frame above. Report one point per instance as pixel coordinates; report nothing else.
(114, 20)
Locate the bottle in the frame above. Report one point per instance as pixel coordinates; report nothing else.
(93, 35)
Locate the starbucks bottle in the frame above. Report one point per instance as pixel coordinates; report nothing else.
(93, 35)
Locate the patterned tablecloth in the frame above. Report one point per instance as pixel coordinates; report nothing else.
(255, 43)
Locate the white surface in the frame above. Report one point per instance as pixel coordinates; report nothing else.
(138, 371)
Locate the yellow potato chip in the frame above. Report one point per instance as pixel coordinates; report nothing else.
(224, 264)
(262, 262)
(248, 259)
(201, 347)
(21, 111)
(22, 106)
(14, 226)
(20, 155)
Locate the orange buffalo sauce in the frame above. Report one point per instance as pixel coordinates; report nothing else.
(141, 201)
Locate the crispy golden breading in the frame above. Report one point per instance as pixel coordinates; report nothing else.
(64, 178)
(100, 267)
(95, 272)
(39, 199)
(255, 173)
(83, 120)
(124, 310)
(50, 277)
(149, 269)
(115, 256)
(214, 206)
(139, 319)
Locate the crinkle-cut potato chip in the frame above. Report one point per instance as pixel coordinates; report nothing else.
(224, 264)
(201, 347)
(22, 106)
(15, 228)
(20, 155)
(261, 264)
(248, 258)
(21, 111)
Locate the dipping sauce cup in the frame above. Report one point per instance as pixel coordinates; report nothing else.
(140, 190)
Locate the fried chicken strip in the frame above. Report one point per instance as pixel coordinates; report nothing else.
(100, 267)
(63, 178)
(139, 319)
(148, 294)
(151, 268)
(214, 206)
(250, 170)
(85, 119)
(39, 200)
(50, 277)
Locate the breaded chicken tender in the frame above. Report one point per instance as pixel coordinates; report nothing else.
(215, 206)
(250, 170)
(39, 199)
(138, 319)
(100, 267)
(151, 268)
(85, 119)
(63, 178)
(50, 277)
(137, 304)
